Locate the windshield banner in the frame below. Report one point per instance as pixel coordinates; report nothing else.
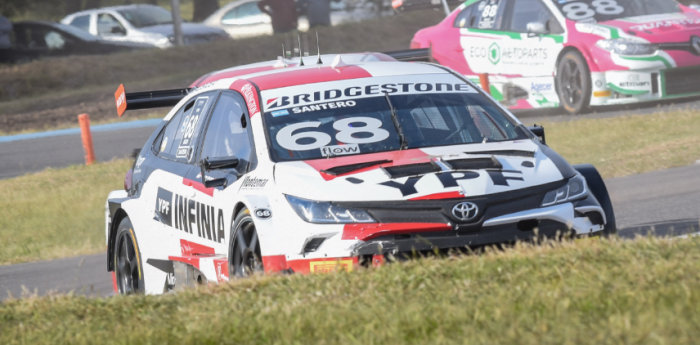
(341, 94)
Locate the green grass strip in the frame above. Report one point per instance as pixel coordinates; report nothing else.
(591, 292)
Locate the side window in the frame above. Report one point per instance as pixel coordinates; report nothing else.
(81, 22)
(230, 17)
(529, 11)
(486, 14)
(180, 135)
(228, 134)
(107, 25)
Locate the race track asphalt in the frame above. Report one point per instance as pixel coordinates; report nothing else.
(664, 203)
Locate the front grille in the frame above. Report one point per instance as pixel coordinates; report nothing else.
(682, 81)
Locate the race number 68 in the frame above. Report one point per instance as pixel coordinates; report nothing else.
(290, 141)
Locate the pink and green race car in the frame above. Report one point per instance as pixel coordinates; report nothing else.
(572, 53)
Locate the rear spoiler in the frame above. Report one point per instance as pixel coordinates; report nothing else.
(414, 5)
(147, 100)
(424, 55)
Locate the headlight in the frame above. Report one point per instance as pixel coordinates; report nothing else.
(325, 212)
(627, 47)
(575, 189)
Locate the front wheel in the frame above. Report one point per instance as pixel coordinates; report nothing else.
(574, 83)
(128, 261)
(244, 255)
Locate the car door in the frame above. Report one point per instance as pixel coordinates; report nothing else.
(171, 195)
(227, 135)
(246, 20)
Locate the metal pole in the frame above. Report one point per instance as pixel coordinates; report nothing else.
(447, 9)
(177, 22)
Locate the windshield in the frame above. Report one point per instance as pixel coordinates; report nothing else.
(366, 125)
(143, 16)
(592, 11)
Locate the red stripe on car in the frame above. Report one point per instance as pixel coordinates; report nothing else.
(198, 186)
(437, 196)
(364, 232)
(308, 76)
(230, 74)
(402, 157)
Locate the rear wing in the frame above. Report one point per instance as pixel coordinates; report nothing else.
(424, 55)
(147, 100)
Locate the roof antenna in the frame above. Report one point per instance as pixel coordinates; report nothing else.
(318, 46)
(301, 58)
(281, 61)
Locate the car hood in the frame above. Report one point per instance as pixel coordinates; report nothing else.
(672, 27)
(187, 29)
(522, 163)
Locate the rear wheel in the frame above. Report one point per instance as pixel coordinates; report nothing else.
(574, 83)
(244, 255)
(596, 185)
(128, 261)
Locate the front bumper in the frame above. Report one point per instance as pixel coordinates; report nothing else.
(631, 86)
(419, 226)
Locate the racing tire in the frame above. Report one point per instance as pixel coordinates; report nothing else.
(127, 261)
(574, 83)
(244, 255)
(596, 185)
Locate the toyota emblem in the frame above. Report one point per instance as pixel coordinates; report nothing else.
(465, 211)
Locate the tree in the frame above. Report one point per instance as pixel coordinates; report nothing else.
(203, 9)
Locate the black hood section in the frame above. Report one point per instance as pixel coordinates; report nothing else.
(567, 171)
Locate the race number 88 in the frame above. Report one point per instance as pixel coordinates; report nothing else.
(290, 141)
(580, 10)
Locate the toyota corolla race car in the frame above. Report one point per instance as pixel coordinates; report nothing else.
(317, 168)
(577, 53)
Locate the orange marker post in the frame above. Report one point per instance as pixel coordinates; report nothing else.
(84, 120)
(484, 81)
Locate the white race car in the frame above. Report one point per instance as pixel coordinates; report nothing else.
(330, 166)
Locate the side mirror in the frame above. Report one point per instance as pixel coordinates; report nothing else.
(118, 30)
(538, 131)
(208, 164)
(536, 28)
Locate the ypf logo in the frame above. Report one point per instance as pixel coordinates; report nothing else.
(465, 211)
(495, 53)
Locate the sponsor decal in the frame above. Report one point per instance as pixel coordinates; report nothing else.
(330, 266)
(634, 83)
(339, 150)
(324, 106)
(120, 98)
(163, 144)
(139, 161)
(450, 179)
(509, 55)
(253, 183)
(364, 91)
(181, 213)
(280, 113)
(494, 53)
(665, 24)
(249, 96)
(541, 87)
(189, 125)
(263, 213)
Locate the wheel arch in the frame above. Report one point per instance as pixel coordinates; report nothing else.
(597, 187)
(117, 218)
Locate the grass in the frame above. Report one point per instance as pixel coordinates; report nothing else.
(592, 292)
(57, 212)
(629, 145)
(71, 200)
